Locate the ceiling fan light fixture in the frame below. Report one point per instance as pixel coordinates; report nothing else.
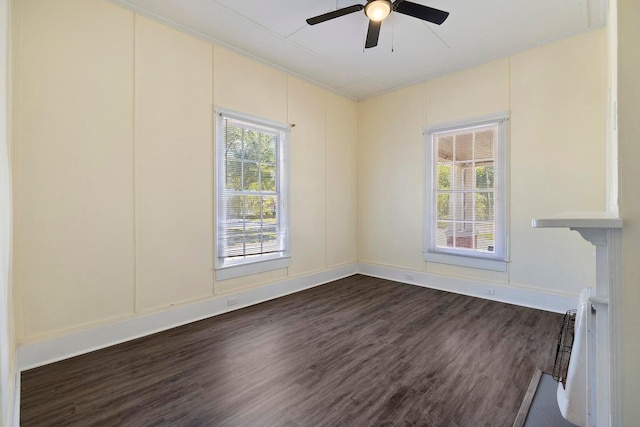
(378, 10)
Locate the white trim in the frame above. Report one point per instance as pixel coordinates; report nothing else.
(245, 269)
(14, 410)
(264, 263)
(469, 123)
(466, 261)
(615, 323)
(238, 115)
(537, 299)
(579, 219)
(498, 260)
(53, 350)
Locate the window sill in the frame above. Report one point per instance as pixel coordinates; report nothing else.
(466, 261)
(254, 267)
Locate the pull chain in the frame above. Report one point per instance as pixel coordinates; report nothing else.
(393, 26)
(364, 36)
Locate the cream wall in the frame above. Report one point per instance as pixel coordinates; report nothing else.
(390, 175)
(173, 173)
(113, 165)
(342, 190)
(629, 178)
(558, 157)
(307, 103)
(73, 165)
(556, 95)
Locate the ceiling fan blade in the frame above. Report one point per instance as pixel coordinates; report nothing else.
(372, 34)
(334, 14)
(419, 11)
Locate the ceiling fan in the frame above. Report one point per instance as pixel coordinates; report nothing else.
(378, 10)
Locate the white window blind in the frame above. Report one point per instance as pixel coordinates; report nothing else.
(466, 191)
(252, 220)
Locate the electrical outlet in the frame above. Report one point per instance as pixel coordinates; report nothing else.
(489, 291)
(408, 276)
(232, 301)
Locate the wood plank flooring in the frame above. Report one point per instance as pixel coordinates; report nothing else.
(356, 352)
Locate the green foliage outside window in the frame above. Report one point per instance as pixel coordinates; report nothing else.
(484, 201)
(250, 159)
(444, 183)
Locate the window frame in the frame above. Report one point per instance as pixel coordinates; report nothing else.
(499, 259)
(258, 263)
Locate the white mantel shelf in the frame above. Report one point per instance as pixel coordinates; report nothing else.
(574, 220)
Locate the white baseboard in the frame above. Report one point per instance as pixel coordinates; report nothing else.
(53, 350)
(14, 409)
(508, 294)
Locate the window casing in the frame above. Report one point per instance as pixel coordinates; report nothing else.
(252, 215)
(465, 193)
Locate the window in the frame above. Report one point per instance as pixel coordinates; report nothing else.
(466, 214)
(251, 184)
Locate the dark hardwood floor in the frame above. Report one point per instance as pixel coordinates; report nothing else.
(356, 352)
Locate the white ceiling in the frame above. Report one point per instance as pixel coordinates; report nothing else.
(332, 53)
